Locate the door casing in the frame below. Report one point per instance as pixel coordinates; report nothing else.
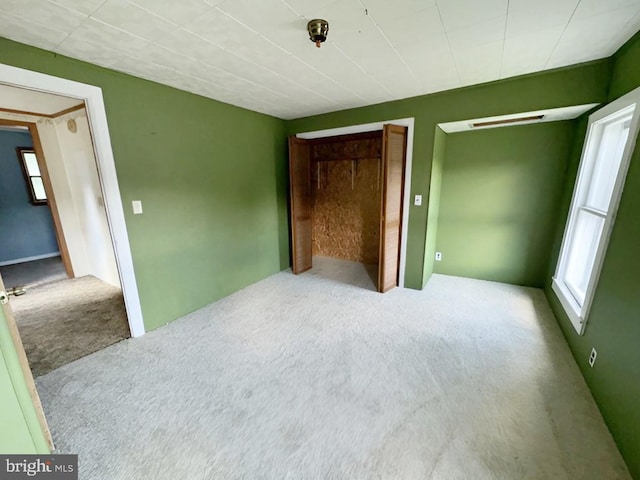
(97, 117)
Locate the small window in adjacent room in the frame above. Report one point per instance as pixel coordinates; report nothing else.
(611, 138)
(32, 175)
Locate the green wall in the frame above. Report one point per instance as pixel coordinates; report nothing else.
(586, 83)
(498, 207)
(19, 428)
(613, 327)
(435, 189)
(205, 171)
(626, 68)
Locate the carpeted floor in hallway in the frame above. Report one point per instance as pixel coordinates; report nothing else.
(315, 377)
(62, 321)
(33, 273)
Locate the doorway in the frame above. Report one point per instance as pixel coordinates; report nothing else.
(97, 120)
(408, 122)
(347, 196)
(68, 306)
(28, 234)
(60, 319)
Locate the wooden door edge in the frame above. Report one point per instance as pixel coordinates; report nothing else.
(385, 138)
(53, 206)
(294, 263)
(383, 196)
(48, 188)
(294, 269)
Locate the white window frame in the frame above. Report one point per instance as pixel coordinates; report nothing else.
(578, 314)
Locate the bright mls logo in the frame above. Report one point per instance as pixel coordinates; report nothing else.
(49, 467)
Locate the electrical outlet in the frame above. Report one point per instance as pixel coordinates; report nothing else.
(592, 357)
(438, 256)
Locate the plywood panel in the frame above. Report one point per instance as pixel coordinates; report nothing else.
(347, 147)
(346, 209)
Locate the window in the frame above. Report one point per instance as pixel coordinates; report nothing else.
(611, 137)
(32, 175)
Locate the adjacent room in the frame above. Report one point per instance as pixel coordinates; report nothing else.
(331, 239)
(56, 258)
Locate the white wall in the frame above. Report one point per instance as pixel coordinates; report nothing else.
(79, 164)
(66, 207)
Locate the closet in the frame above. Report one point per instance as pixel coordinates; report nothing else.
(346, 199)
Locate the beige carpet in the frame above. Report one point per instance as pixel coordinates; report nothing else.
(62, 321)
(315, 377)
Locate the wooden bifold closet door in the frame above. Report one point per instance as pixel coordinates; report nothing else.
(301, 203)
(394, 144)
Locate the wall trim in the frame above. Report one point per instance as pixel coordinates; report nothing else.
(96, 114)
(45, 115)
(29, 259)
(406, 202)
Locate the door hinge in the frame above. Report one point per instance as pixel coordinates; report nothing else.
(4, 298)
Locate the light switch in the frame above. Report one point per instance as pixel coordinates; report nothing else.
(417, 200)
(137, 207)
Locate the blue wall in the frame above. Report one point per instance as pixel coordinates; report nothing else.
(25, 230)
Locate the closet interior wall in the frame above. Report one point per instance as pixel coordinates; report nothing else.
(346, 180)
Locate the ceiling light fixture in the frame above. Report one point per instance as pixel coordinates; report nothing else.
(318, 29)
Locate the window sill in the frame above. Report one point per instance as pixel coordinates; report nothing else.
(570, 306)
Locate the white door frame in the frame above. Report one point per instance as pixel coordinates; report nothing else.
(406, 201)
(97, 118)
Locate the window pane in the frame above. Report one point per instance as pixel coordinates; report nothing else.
(582, 248)
(38, 188)
(607, 164)
(32, 164)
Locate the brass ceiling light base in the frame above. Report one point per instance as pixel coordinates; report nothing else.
(318, 30)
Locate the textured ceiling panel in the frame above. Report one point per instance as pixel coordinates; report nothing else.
(256, 53)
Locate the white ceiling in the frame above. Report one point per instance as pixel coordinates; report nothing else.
(23, 100)
(256, 53)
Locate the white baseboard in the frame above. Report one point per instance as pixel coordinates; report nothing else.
(29, 259)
